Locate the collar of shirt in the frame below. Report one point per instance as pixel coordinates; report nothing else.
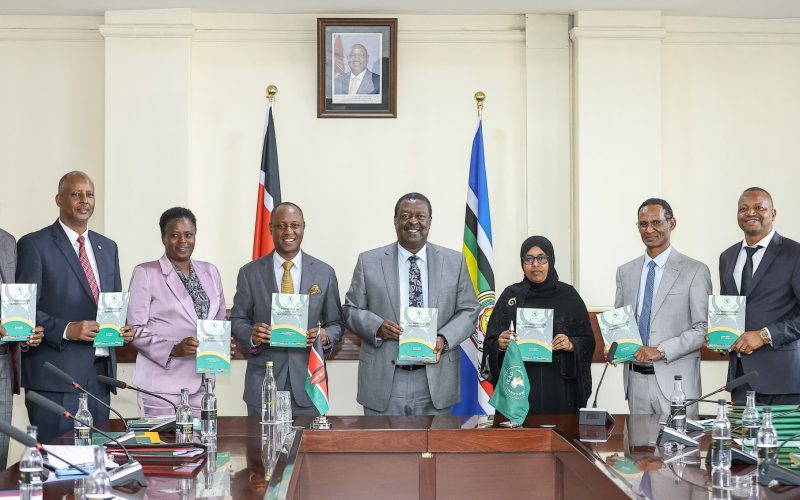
(358, 76)
(278, 261)
(404, 254)
(660, 260)
(764, 242)
(72, 236)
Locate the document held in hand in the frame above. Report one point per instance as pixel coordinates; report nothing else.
(619, 325)
(725, 320)
(18, 310)
(112, 313)
(535, 334)
(289, 320)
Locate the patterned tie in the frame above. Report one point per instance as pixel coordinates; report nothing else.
(647, 303)
(87, 268)
(354, 86)
(287, 283)
(747, 270)
(414, 283)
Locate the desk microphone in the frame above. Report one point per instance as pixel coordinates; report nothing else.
(67, 379)
(594, 416)
(667, 433)
(119, 384)
(25, 439)
(124, 474)
(770, 474)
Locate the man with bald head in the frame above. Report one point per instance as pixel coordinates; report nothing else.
(764, 267)
(359, 80)
(287, 269)
(70, 266)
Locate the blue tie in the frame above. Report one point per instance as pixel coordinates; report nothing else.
(647, 304)
(414, 283)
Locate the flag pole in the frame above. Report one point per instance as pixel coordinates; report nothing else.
(271, 91)
(480, 96)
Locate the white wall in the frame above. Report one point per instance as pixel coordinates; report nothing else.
(577, 134)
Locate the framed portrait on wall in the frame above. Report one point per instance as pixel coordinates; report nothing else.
(356, 68)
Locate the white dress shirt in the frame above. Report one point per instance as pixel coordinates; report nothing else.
(72, 236)
(757, 256)
(277, 264)
(661, 261)
(403, 267)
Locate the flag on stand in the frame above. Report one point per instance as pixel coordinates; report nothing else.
(317, 377)
(269, 190)
(513, 387)
(475, 390)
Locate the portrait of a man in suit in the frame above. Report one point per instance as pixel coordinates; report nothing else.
(359, 80)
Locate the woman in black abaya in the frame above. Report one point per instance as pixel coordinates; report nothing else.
(565, 384)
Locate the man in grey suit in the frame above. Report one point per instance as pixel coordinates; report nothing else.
(359, 80)
(669, 294)
(764, 267)
(409, 272)
(285, 270)
(9, 355)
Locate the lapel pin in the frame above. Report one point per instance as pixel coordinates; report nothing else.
(99, 247)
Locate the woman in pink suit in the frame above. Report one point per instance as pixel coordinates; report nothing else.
(167, 297)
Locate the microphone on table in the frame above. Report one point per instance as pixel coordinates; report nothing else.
(770, 474)
(124, 474)
(119, 384)
(667, 433)
(593, 416)
(67, 379)
(23, 437)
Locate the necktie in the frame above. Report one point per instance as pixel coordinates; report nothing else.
(414, 283)
(354, 86)
(287, 283)
(747, 270)
(87, 268)
(647, 304)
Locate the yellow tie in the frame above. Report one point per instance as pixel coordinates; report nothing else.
(287, 284)
(354, 86)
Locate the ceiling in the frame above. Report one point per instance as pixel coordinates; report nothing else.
(758, 9)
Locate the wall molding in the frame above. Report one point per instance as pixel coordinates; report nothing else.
(404, 36)
(147, 30)
(731, 38)
(50, 34)
(615, 33)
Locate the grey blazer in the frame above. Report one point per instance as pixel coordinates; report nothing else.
(679, 317)
(8, 265)
(774, 303)
(8, 257)
(374, 296)
(253, 304)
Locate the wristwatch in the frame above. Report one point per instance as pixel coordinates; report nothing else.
(663, 354)
(765, 336)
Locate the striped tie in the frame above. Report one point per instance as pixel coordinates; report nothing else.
(87, 268)
(287, 283)
(647, 304)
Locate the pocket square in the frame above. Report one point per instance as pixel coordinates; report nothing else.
(314, 290)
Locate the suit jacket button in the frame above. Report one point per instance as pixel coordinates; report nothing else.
(393, 362)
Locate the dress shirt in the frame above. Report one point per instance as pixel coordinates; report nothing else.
(72, 236)
(757, 256)
(661, 261)
(277, 265)
(357, 78)
(403, 266)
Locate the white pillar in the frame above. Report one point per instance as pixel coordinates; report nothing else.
(147, 156)
(548, 142)
(617, 113)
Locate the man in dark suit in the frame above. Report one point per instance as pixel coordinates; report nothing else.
(359, 80)
(285, 270)
(765, 268)
(70, 266)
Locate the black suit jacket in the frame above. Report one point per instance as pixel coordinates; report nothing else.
(48, 259)
(773, 302)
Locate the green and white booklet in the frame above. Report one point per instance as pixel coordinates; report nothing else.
(535, 334)
(418, 339)
(214, 349)
(726, 315)
(289, 320)
(619, 325)
(112, 313)
(18, 310)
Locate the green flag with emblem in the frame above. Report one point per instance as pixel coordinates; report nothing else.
(510, 395)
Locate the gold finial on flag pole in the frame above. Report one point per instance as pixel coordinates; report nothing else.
(271, 91)
(479, 98)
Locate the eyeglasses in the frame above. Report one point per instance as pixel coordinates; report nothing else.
(294, 226)
(656, 224)
(542, 259)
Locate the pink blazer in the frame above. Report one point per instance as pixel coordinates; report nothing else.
(162, 314)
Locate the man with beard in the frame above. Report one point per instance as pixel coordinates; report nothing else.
(409, 272)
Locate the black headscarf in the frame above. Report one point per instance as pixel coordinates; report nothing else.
(547, 286)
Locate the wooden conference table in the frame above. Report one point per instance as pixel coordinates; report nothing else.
(438, 457)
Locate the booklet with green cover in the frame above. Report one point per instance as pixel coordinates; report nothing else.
(289, 320)
(535, 334)
(619, 325)
(726, 315)
(214, 351)
(18, 310)
(112, 312)
(419, 334)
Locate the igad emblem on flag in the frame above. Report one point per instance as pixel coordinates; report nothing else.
(511, 393)
(514, 382)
